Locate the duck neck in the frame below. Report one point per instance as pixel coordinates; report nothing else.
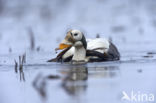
(79, 54)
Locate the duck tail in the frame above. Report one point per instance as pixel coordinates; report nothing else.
(53, 60)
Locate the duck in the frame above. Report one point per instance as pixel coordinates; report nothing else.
(76, 48)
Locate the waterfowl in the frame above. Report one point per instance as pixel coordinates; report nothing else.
(76, 48)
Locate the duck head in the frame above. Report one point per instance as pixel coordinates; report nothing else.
(76, 39)
(73, 38)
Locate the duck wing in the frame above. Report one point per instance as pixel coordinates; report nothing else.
(96, 56)
(101, 49)
(59, 57)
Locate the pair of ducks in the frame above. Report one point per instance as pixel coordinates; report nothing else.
(75, 48)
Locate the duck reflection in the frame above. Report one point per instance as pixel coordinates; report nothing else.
(104, 72)
(74, 82)
(73, 79)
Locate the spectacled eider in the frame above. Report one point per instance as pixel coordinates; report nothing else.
(77, 49)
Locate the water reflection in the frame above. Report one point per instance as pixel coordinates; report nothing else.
(40, 84)
(19, 67)
(74, 82)
(19, 70)
(104, 71)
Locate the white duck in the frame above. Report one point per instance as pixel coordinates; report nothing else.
(78, 49)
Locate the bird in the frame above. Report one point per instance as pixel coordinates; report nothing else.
(76, 48)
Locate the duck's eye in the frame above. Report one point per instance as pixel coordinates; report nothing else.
(75, 34)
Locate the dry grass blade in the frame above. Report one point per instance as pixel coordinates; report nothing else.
(19, 67)
(24, 58)
(16, 65)
(22, 77)
(32, 38)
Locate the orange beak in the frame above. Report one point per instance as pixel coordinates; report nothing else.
(66, 43)
(63, 46)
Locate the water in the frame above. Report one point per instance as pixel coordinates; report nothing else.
(130, 24)
(63, 83)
